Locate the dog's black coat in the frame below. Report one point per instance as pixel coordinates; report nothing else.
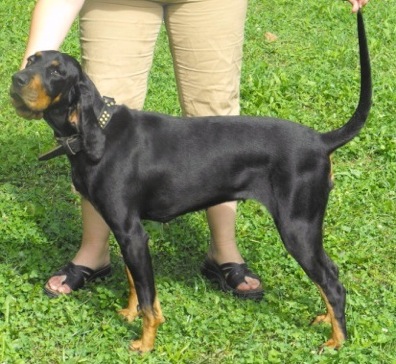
(152, 166)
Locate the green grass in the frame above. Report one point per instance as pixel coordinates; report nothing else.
(309, 74)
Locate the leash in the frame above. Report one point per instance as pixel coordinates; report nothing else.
(73, 144)
(70, 145)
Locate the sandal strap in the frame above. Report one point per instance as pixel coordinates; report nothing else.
(76, 275)
(229, 276)
(235, 273)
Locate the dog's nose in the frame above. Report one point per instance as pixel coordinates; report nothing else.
(20, 79)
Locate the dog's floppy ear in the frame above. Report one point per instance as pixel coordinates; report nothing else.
(93, 136)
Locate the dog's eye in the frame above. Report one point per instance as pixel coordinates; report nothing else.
(29, 61)
(55, 72)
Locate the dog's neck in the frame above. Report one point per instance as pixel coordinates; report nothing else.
(68, 137)
(57, 119)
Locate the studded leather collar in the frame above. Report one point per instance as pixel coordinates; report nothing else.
(71, 145)
(107, 111)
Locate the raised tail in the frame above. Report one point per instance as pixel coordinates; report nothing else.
(337, 138)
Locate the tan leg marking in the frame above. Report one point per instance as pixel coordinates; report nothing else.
(151, 319)
(331, 169)
(131, 312)
(337, 335)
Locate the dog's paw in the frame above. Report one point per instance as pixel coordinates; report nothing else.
(129, 314)
(137, 345)
(321, 318)
(331, 344)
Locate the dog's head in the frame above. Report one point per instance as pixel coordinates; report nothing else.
(48, 81)
(54, 87)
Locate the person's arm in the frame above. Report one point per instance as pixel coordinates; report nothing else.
(51, 21)
(357, 4)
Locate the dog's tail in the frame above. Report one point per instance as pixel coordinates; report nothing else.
(337, 138)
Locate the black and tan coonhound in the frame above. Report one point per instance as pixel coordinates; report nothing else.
(134, 165)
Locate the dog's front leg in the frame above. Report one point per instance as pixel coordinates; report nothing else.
(132, 311)
(143, 299)
(152, 318)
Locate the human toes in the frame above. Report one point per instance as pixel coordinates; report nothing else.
(56, 284)
(249, 284)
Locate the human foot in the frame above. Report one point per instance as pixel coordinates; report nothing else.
(234, 277)
(72, 277)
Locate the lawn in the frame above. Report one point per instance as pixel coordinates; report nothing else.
(300, 63)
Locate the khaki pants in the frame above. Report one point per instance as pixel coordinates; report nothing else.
(206, 36)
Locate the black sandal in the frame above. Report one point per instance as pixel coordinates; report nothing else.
(229, 276)
(77, 276)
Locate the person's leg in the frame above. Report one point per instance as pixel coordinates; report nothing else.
(93, 252)
(206, 39)
(117, 41)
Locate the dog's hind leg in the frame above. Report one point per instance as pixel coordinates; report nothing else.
(338, 334)
(301, 232)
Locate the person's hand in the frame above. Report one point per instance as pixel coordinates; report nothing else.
(357, 4)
